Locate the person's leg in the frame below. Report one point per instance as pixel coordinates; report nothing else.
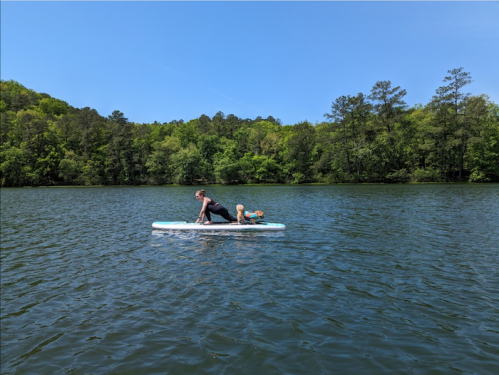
(225, 214)
(207, 212)
(222, 211)
(228, 216)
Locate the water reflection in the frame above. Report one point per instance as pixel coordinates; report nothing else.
(370, 279)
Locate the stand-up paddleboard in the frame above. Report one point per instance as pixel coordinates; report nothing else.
(221, 226)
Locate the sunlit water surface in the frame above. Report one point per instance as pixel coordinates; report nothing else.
(367, 279)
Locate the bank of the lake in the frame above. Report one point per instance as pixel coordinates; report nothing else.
(365, 138)
(207, 185)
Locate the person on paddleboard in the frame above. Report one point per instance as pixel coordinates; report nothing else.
(211, 207)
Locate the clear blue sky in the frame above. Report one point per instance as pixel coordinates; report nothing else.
(178, 60)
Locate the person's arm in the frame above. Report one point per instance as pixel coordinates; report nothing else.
(202, 214)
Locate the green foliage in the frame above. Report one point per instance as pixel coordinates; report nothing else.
(374, 138)
(483, 150)
(226, 163)
(298, 157)
(188, 165)
(208, 145)
(398, 176)
(159, 163)
(53, 106)
(426, 175)
(13, 167)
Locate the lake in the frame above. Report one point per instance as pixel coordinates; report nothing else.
(367, 279)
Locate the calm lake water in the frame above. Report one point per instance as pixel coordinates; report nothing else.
(367, 279)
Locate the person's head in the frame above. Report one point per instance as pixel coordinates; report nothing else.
(200, 194)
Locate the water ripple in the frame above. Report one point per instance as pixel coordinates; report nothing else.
(384, 279)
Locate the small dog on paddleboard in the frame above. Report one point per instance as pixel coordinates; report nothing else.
(245, 215)
(252, 216)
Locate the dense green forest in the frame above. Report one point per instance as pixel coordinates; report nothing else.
(364, 138)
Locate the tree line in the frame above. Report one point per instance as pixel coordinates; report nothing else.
(371, 137)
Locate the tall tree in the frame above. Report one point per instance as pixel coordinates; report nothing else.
(298, 156)
(483, 157)
(340, 110)
(388, 103)
(448, 106)
(88, 131)
(471, 127)
(119, 161)
(453, 92)
(218, 122)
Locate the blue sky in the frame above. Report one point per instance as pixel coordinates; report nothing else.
(159, 61)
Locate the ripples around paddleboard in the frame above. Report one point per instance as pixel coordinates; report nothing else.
(395, 280)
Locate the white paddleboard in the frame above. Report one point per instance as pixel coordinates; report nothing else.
(247, 227)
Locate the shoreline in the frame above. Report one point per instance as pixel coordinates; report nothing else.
(263, 184)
